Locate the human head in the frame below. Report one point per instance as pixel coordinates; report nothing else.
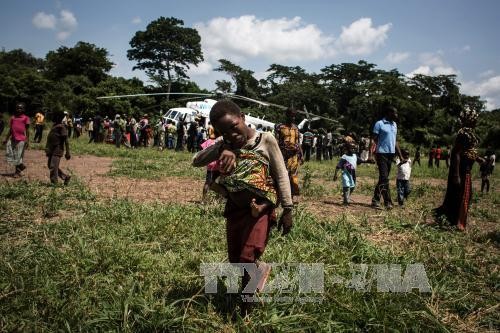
(468, 117)
(405, 153)
(290, 114)
(350, 147)
(228, 120)
(117, 116)
(58, 117)
(20, 107)
(391, 113)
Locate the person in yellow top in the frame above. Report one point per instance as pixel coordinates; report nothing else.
(39, 125)
(287, 135)
(211, 132)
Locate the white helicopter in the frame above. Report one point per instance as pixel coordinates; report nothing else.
(200, 110)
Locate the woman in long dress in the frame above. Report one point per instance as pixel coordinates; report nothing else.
(459, 188)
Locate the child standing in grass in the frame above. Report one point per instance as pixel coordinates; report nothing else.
(348, 163)
(403, 177)
(57, 141)
(485, 170)
(256, 180)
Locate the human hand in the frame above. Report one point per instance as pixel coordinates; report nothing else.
(285, 222)
(227, 161)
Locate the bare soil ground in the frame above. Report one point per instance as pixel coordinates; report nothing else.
(92, 170)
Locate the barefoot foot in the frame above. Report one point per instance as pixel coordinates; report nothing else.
(258, 209)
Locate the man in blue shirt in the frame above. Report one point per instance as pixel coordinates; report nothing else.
(384, 137)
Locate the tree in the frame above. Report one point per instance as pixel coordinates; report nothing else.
(246, 84)
(83, 59)
(22, 78)
(166, 47)
(224, 86)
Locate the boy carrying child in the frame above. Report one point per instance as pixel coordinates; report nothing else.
(255, 180)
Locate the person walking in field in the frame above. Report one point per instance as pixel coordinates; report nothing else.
(118, 130)
(437, 157)
(256, 180)
(57, 144)
(386, 147)
(417, 156)
(39, 124)
(403, 177)
(348, 164)
(485, 171)
(17, 139)
(458, 195)
(287, 135)
(432, 153)
(307, 141)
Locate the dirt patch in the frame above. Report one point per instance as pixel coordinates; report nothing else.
(92, 170)
(331, 206)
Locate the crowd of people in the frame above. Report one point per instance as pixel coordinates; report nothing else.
(257, 170)
(297, 146)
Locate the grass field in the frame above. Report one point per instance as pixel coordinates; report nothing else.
(72, 261)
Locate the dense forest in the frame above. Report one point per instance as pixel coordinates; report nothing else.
(353, 93)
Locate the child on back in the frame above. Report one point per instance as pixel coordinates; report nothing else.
(403, 177)
(255, 178)
(348, 163)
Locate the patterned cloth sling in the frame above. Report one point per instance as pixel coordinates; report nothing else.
(251, 174)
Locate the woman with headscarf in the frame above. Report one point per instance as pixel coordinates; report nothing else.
(459, 188)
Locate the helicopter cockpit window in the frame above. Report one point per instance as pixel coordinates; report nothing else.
(173, 114)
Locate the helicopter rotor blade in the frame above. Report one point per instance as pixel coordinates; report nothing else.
(151, 94)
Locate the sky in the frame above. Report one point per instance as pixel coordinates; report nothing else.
(429, 37)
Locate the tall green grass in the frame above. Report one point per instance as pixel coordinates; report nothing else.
(124, 266)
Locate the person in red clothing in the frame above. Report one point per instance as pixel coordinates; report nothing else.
(17, 138)
(432, 154)
(438, 156)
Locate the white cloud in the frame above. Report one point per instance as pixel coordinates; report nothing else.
(44, 21)
(136, 20)
(67, 21)
(488, 89)
(487, 73)
(62, 35)
(466, 48)
(275, 39)
(361, 38)
(203, 68)
(397, 57)
(64, 25)
(281, 40)
(432, 64)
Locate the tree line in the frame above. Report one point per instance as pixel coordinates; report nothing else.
(71, 79)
